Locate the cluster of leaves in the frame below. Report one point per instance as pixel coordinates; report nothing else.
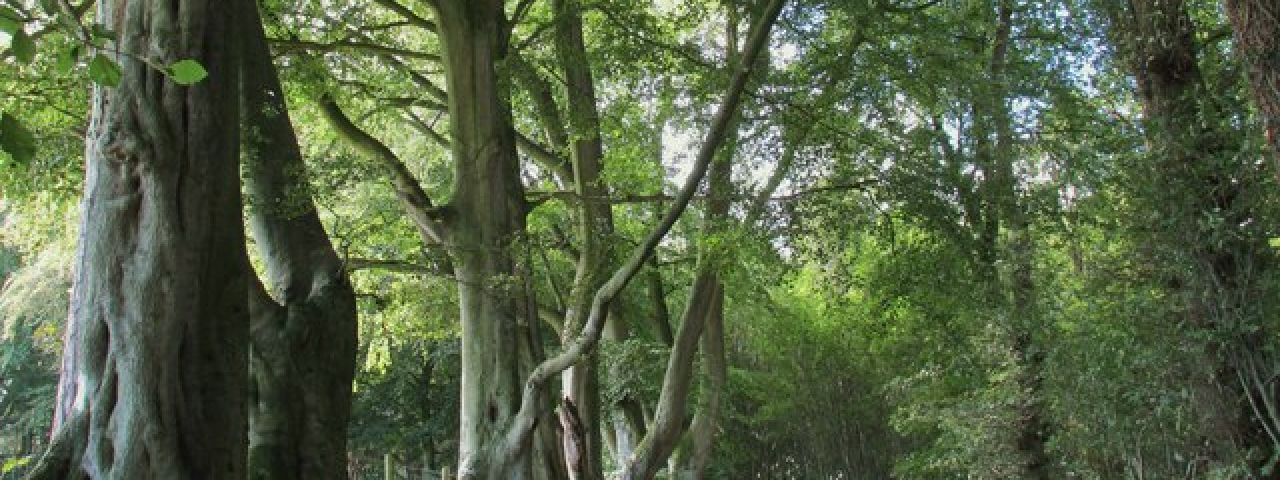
(58, 27)
(34, 261)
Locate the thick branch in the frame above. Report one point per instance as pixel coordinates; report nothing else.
(541, 196)
(544, 157)
(284, 46)
(523, 424)
(408, 14)
(414, 199)
(548, 113)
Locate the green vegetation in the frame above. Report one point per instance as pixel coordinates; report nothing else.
(590, 239)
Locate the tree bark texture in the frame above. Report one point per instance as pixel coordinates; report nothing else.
(154, 375)
(1256, 24)
(484, 228)
(669, 417)
(1189, 142)
(702, 429)
(595, 230)
(303, 353)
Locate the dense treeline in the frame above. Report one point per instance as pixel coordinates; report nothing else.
(588, 239)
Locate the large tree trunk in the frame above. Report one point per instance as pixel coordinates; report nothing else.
(1185, 132)
(1256, 24)
(155, 368)
(484, 228)
(303, 350)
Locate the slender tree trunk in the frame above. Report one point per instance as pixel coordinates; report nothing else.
(596, 259)
(702, 430)
(303, 353)
(1256, 24)
(154, 374)
(670, 416)
(581, 383)
(1009, 209)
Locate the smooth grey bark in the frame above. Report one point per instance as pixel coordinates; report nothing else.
(481, 228)
(303, 352)
(581, 383)
(154, 374)
(520, 432)
(485, 224)
(669, 417)
(413, 199)
(702, 428)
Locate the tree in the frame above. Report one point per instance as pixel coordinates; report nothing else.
(1256, 24)
(304, 332)
(1193, 146)
(154, 374)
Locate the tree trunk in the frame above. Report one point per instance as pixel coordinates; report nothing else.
(596, 260)
(1008, 209)
(484, 227)
(1184, 130)
(154, 371)
(1256, 24)
(303, 349)
(670, 416)
(702, 430)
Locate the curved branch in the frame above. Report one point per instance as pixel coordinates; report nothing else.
(415, 200)
(408, 14)
(522, 426)
(292, 45)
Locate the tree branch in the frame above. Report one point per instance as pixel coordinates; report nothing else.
(284, 46)
(523, 423)
(399, 266)
(542, 196)
(414, 199)
(408, 14)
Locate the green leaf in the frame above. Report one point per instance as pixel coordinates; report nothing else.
(100, 35)
(50, 7)
(13, 464)
(10, 21)
(16, 140)
(101, 31)
(68, 58)
(104, 71)
(24, 49)
(187, 72)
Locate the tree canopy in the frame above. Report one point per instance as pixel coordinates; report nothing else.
(589, 239)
